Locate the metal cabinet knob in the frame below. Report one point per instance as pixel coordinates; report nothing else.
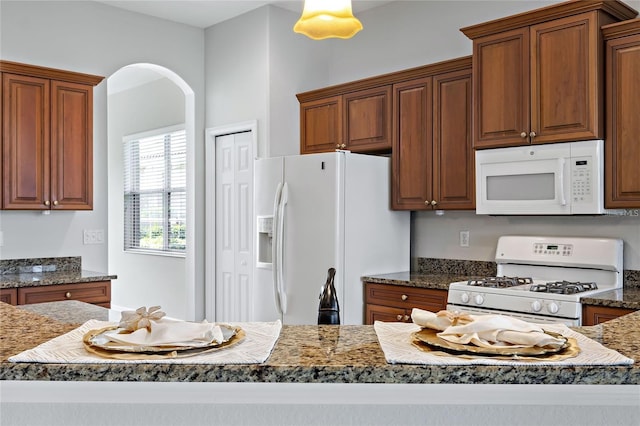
(343, 146)
(404, 297)
(406, 317)
(434, 202)
(532, 134)
(55, 203)
(46, 203)
(399, 317)
(68, 295)
(523, 135)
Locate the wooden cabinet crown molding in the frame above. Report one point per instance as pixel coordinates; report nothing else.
(49, 73)
(615, 8)
(621, 29)
(385, 79)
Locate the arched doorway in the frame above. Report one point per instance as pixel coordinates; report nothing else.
(143, 97)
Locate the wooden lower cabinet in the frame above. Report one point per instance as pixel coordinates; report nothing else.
(9, 295)
(594, 315)
(388, 302)
(97, 293)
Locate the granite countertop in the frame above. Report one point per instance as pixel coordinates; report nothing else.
(627, 297)
(33, 279)
(302, 354)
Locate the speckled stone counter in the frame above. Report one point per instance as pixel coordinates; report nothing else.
(418, 279)
(46, 271)
(308, 354)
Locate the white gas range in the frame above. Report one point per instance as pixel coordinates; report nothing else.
(542, 279)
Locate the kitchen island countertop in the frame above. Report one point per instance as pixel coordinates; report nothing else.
(302, 354)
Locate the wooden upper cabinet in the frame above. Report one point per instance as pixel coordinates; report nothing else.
(453, 156)
(72, 146)
(25, 142)
(432, 157)
(47, 143)
(501, 86)
(538, 76)
(321, 125)
(356, 120)
(367, 120)
(412, 153)
(622, 147)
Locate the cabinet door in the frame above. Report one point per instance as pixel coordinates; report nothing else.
(9, 295)
(321, 125)
(412, 154)
(25, 142)
(622, 150)
(501, 89)
(565, 79)
(71, 146)
(367, 120)
(594, 315)
(453, 157)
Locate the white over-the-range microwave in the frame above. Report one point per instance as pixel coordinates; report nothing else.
(553, 179)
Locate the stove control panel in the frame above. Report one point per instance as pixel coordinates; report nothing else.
(553, 249)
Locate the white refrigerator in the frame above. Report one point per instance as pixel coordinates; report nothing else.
(321, 211)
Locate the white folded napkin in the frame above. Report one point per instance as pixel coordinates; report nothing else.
(170, 333)
(488, 331)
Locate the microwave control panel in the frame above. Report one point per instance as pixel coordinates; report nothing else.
(582, 180)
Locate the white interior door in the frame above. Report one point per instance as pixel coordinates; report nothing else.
(233, 226)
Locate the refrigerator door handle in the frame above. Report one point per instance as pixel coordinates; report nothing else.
(274, 246)
(282, 288)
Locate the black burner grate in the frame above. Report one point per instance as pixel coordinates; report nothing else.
(500, 282)
(563, 287)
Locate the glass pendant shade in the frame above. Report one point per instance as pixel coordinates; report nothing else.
(327, 18)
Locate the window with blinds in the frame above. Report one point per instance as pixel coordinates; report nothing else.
(155, 197)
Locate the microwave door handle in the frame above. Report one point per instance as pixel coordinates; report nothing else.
(560, 182)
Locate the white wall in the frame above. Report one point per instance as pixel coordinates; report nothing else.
(143, 280)
(94, 38)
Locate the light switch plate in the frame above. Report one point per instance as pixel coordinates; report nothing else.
(93, 236)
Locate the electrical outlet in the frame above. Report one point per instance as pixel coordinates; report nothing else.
(93, 236)
(464, 238)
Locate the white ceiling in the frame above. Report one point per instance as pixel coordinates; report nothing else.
(205, 13)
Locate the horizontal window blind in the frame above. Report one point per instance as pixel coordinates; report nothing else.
(155, 192)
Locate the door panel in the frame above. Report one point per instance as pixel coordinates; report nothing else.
(565, 80)
(234, 226)
(501, 87)
(412, 154)
(25, 142)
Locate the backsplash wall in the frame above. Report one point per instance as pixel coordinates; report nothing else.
(435, 236)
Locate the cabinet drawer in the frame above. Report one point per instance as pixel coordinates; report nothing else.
(93, 292)
(406, 297)
(384, 313)
(9, 295)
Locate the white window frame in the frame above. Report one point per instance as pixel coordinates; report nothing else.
(147, 251)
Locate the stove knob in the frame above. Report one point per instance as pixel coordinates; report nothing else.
(536, 306)
(478, 299)
(464, 298)
(553, 307)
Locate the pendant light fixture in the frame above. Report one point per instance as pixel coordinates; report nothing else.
(327, 18)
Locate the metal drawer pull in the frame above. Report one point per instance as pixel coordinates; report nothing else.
(404, 297)
(68, 295)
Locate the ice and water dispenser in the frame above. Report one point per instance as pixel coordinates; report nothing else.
(265, 238)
